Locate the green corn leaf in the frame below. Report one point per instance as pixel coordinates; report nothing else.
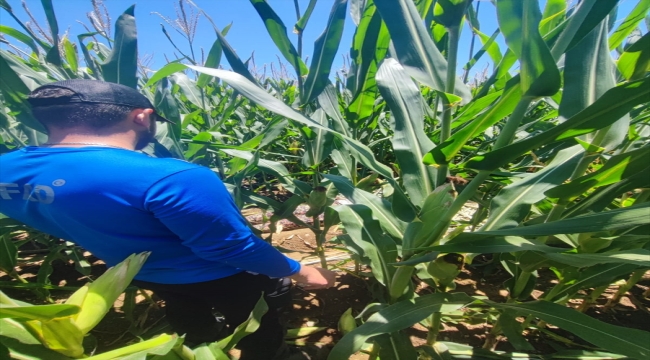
(396, 317)
(634, 63)
(446, 151)
(368, 236)
(381, 209)
(122, 64)
(640, 257)
(14, 91)
(247, 327)
(616, 169)
(603, 197)
(199, 142)
(29, 77)
(593, 277)
(343, 160)
(410, 143)
(8, 253)
(160, 345)
(472, 16)
(189, 89)
(473, 110)
(273, 131)
(325, 49)
(512, 204)
(11, 329)
(235, 62)
(274, 168)
(396, 346)
(302, 22)
(214, 58)
(203, 352)
(630, 23)
(38, 312)
(53, 55)
(519, 22)
(590, 59)
(165, 71)
(624, 218)
(461, 351)
(369, 47)
(611, 106)
(618, 339)
(553, 15)
(414, 48)
(582, 22)
(319, 146)
(512, 329)
(450, 12)
(328, 101)
(497, 244)
(489, 45)
(256, 94)
(286, 210)
(278, 33)
(22, 37)
(70, 55)
(20, 343)
(90, 61)
(165, 103)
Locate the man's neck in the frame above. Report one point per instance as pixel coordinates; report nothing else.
(80, 140)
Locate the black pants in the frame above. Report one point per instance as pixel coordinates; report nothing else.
(189, 310)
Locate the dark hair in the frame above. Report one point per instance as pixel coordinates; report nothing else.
(92, 116)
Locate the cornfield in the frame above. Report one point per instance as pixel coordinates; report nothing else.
(552, 146)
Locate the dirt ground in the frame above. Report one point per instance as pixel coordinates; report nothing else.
(323, 308)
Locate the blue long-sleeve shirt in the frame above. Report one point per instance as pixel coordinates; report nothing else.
(116, 202)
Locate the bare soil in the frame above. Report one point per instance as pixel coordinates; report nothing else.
(323, 308)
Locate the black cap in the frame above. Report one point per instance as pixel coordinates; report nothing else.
(95, 92)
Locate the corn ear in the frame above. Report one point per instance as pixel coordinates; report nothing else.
(400, 282)
(317, 201)
(303, 331)
(444, 270)
(62, 335)
(77, 298)
(347, 322)
(102, 293)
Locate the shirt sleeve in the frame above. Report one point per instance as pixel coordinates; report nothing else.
(195, 205)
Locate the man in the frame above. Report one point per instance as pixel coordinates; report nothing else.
(89, 186)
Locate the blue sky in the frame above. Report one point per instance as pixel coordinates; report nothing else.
(247, 35)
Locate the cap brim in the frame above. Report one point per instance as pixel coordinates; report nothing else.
(160, 118)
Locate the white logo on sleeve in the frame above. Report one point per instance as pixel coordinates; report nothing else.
(36, 193)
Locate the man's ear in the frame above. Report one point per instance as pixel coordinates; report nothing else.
(142, 117)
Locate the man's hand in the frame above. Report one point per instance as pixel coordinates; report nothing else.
(310, 278)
